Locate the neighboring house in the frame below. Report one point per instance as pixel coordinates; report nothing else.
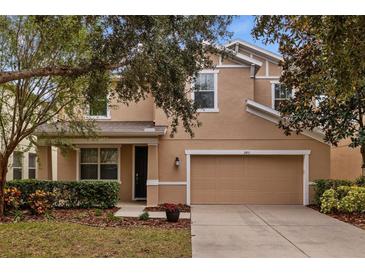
(237, 156)
(22, 163)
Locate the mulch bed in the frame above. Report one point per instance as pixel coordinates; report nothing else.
(181, 207)
(98, 218)
(356, 219)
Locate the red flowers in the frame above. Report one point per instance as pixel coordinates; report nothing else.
(171, 207)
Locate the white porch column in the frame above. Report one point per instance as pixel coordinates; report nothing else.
(54, 162)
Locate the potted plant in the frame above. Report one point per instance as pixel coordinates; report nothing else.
(172, 212)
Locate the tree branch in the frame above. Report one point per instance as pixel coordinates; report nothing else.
(52, 71)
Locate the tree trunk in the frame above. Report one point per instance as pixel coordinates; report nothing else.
(3, 172)
(362, 150)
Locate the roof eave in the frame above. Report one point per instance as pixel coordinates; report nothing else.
(104, 134)
(256, 48)
(273, 116)
(241, 57)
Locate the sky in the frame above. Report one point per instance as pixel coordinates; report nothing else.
(242, 26)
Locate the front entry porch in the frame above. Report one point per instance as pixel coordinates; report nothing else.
(139, 172)
(134, 166)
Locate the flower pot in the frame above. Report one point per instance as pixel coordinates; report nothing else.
(172, 216)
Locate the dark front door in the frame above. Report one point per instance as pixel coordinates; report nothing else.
(140, 172)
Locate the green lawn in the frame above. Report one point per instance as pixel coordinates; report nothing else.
(61, 239)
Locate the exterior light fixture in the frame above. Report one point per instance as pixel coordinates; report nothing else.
(177, 161)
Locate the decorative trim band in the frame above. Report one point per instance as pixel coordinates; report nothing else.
(157, 183)
(247, 152)
(172, 183)
(152, 182)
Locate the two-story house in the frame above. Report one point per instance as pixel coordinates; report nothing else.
(238, 155)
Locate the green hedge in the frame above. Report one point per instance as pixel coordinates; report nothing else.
(324, 184)
(72, 194)
(347, 199)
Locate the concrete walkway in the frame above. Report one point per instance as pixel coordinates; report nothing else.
(136, 208)
(271, 231)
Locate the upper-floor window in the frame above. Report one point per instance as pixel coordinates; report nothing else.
(205, 91)
(32, 158)
(98, 108)
(17, 165)
(99, 164)
(280, 94)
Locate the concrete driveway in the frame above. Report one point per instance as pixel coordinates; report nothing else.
(271, 231)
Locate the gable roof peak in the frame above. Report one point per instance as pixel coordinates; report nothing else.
(254, 48)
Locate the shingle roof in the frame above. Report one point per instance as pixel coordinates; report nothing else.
(109, 128)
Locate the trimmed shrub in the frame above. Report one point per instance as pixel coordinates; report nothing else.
(144, 216)
(71, 194)
(12, 198)
(347, 199)
(354, 201)
(324, 184)
(40, 202)
(342, 191)
(360, 181)
(329, 201)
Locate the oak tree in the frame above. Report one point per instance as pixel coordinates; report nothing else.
(51, 67)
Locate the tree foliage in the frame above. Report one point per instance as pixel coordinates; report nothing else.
(51, 67)
(324, 62)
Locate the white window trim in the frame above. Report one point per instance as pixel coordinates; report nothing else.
(304, 153)
(78, 163)
(18, 167)
(99, 117)
(215, 108)
(35, 167)
(107, 117)
(273, 99)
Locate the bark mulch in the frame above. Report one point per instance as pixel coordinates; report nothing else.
(181, 207)
(356, 219)
(97, 218)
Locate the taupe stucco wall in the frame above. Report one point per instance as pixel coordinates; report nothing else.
(44, 167)
(263, 93)
(345, 162)
(172, 193)
(274, 69)
(66, 165)
(141, 111)
(234, 128)
(319, 159)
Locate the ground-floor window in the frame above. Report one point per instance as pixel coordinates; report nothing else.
(17, 165)
(99, 164)
(32, 158)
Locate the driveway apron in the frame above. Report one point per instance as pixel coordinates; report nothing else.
(279, 231)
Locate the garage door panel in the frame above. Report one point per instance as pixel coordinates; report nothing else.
(229, 184)
(204, 196)
(275, 185)
(246, 179)
(204, 169)
(230, 167)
